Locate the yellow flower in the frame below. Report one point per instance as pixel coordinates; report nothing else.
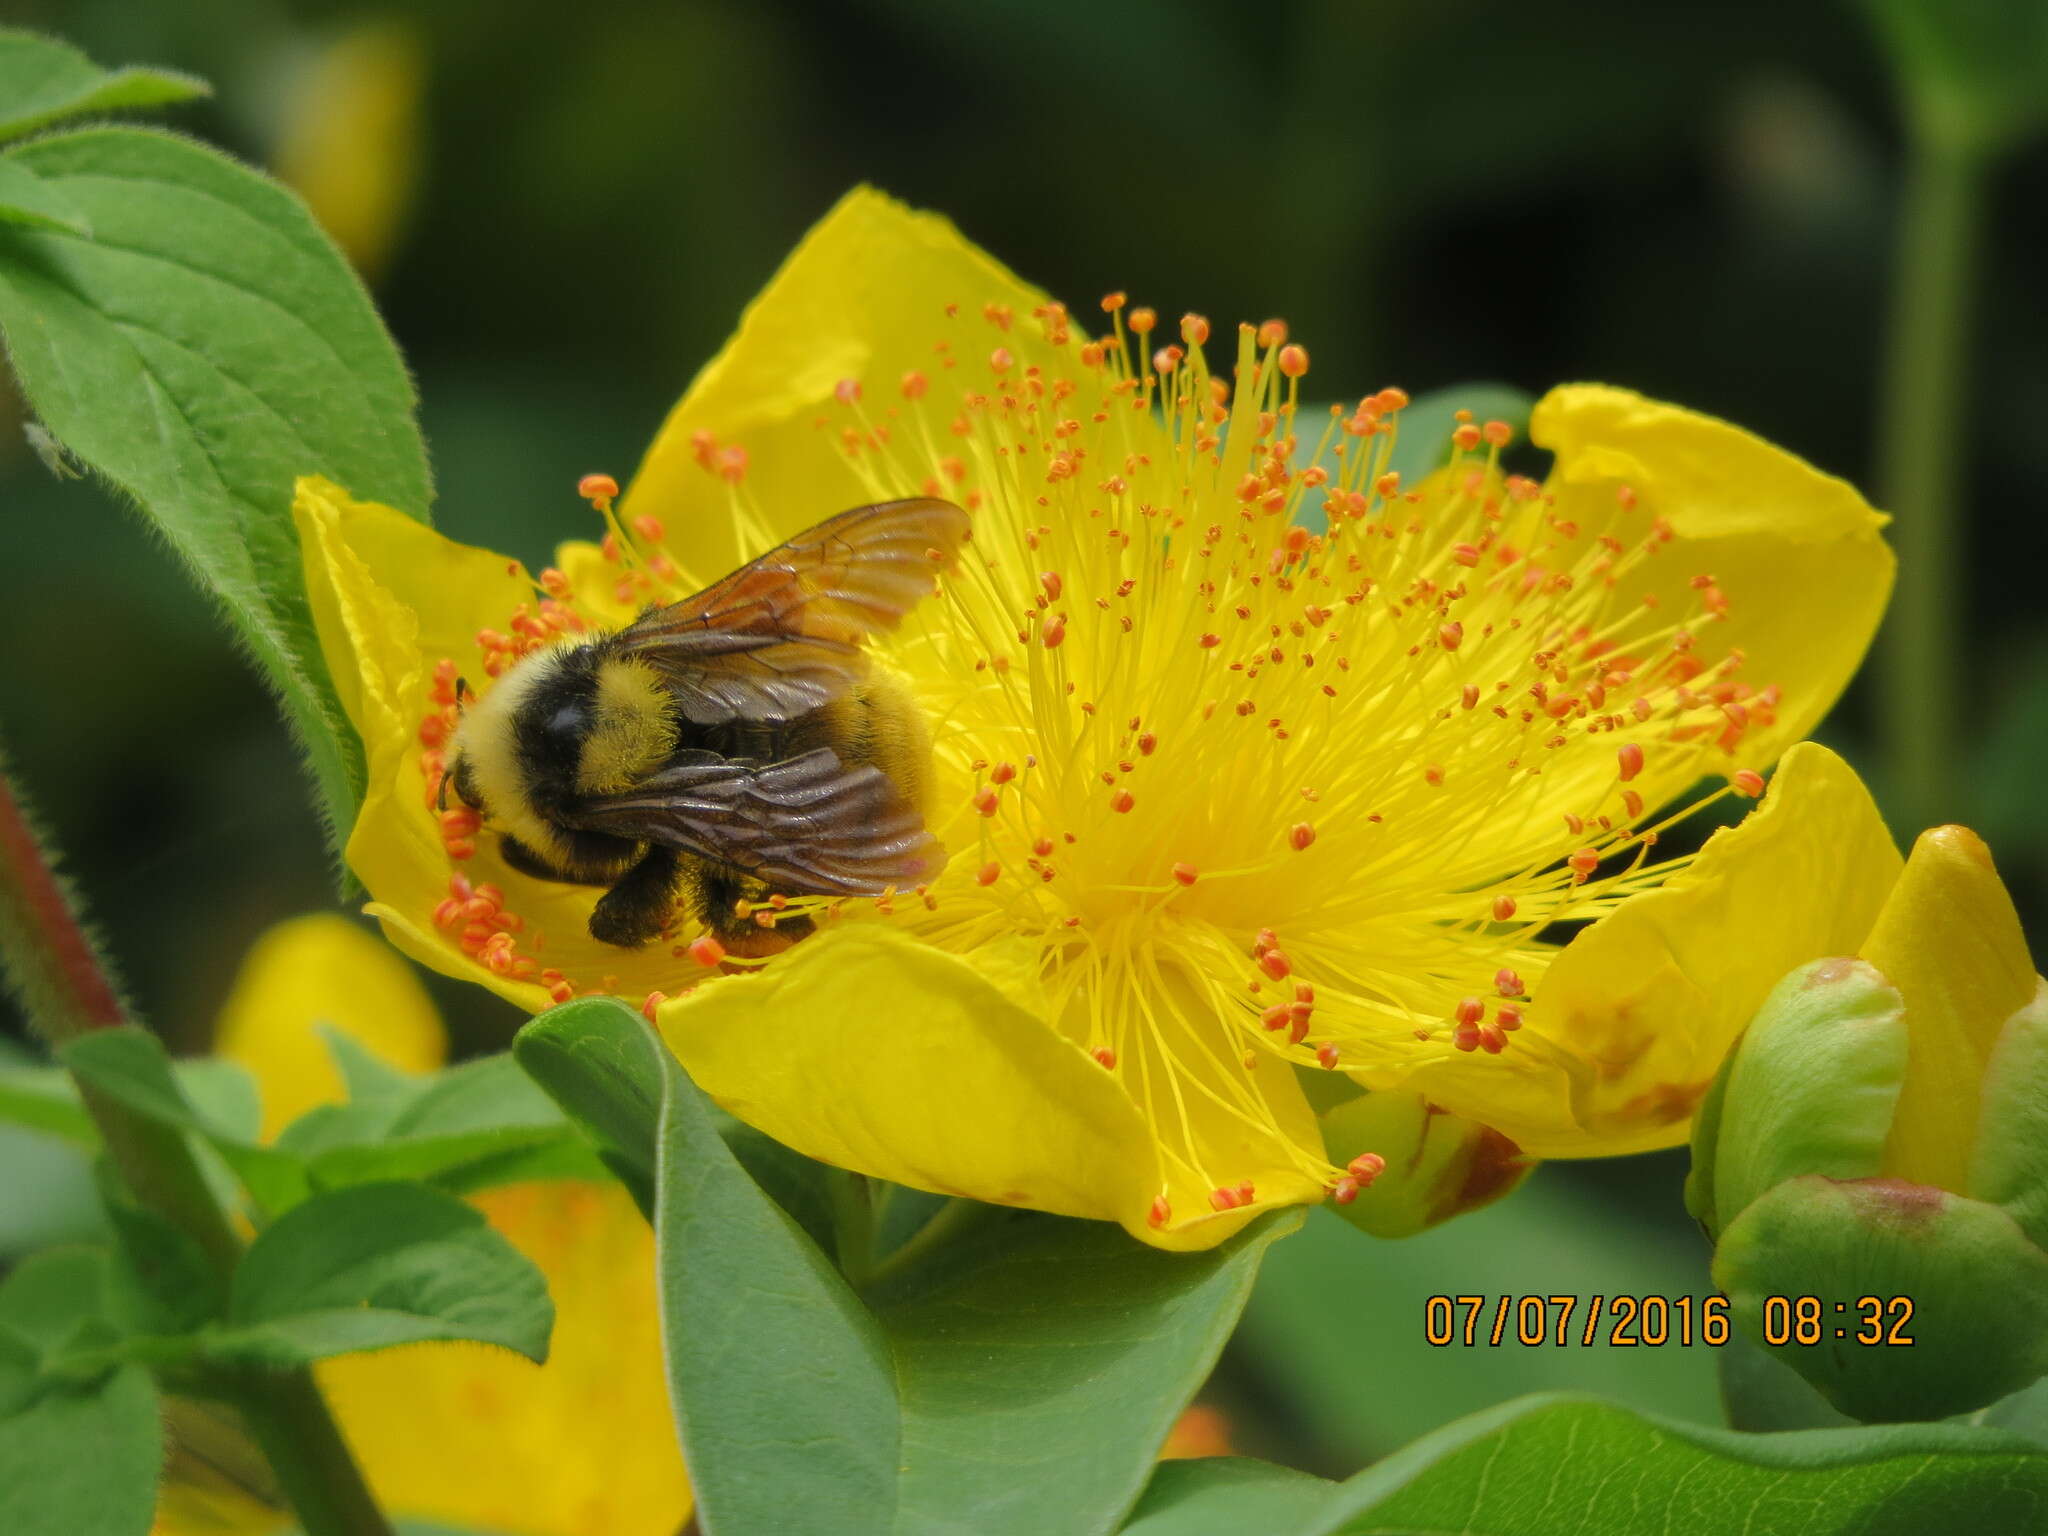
(1224, 796)
(581, 1446)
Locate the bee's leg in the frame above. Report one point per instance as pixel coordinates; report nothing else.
(719, 891)
(636, 909)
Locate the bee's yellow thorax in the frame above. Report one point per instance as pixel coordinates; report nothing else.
(633, 730)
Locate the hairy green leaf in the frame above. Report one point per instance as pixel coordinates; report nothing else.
(26, 199)
(377, 1265)
(205, 346)
(1226, 1496)
(43, 80)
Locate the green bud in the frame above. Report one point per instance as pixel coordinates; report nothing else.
(1437, 1164)
(2009, 1166)
(1883, 1263)
(1810, 1089)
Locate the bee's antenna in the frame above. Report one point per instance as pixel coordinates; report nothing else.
(463, 693)
(441, 793)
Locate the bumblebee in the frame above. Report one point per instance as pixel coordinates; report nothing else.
(726, 748)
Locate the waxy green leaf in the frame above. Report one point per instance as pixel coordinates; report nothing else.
(1019, 1380)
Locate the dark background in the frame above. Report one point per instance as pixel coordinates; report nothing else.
(1694, 199)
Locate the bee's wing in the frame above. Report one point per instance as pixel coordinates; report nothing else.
(783, 635)
(809, 825)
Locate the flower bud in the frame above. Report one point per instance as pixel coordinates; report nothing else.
(1875, 1152)
(1438, 1164)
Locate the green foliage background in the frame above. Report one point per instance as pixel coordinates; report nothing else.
(1694, 199)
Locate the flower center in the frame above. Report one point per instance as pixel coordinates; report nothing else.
(1274, 757)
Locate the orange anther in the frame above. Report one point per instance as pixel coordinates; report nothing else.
(1272, 333)
(653, 1002)
(1344, 1191)
(1450, 636)
(597, 489)
(561, 992)
(1632, 803)
(1469, 695)
(1470, 1010)
(1498, 433)
(1300, 835)
(1223, 1199)
(1326, 1056)
(986, 800)
(1465, 554)
(1279, 1016)
(1630, 757)
(1434, 773)
(1466, 437)
(1186, 874)
(1747, 781)
(1112, 302)
(914, 385)
(1104, 1057)
(1054, 632)
(1508, 1017)
(1210, 641)
(1294, 360)
(1194, 329)
(1503, 908)
(1142, 320)
(1388, 401)
(988, 873)
(1002, 773)
(1121, 801)
(1507, 982)
(648, 526)
(706, 951)
(1276, 965)
(1584, 862)
(1162, 1208)
(1366, 1167)
(1147, 744)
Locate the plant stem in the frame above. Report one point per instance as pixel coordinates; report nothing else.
(853, 1225)
(52, 961)
(1940, 226)
(954, 1217)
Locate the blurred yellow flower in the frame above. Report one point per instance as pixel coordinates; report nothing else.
(1225, 795)
(581, 1446)
(349, 138)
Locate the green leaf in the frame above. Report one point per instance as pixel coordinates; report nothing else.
(605, 1078)
(129, 1064)
(1019, 1380)
(479, 1120)
(27, 200)
(77, 1452)
(1226, 1496)
(42, 80)
(1548, 1464)
(366, 1076)
(378, 1265)
(82, 1457)
(43, 1099)
(206, 346)
(1761, 1393)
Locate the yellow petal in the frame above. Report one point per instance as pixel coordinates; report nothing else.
(1949, 940)
(1799, 554)
(1630, 1023)
(318, 970)
(866, 1048)
(862, 297)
